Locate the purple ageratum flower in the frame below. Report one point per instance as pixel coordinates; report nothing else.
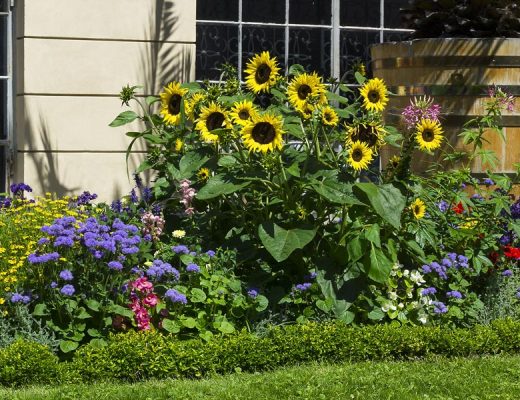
(5, 202)
(488, 182)
(193, 268)
(36, 259)
(20, 298)
(426, 269)
(175, 297)
(53, 285)
(193, 253)
(506, 238)
(476, 196)
(428, 291)
(85, 198)
(452, 256)
(455, 294)
(302, 287)
(446, 262)
(115, 265)
(19, 188)
(210, 253)
(507, 273)
(160, 268)
(64, 241)
(439, 307)
(180, 249)
(43, 241)
(67, 290)
(443, 206)
(462, 260)
(66, 275)
(252, 293)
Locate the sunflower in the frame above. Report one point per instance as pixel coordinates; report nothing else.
(394, 162)
(211, 118)
(418, 208)
(203, 174)
(192, 102)
(171, 100)
(179, 144)
(262, 72)
(428, 134)
(329, 117)
(243, 112)
(359, 156)
(263, 133)
(305, 90)
(370, 133)
(374, 95)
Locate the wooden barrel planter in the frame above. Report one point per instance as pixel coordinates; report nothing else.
(457, 73)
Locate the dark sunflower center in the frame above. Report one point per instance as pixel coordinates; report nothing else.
(357, 155)
(262, 74)
(174, 106)
(243, 114)
(304, 91)
(215, 120)
(366, 134)
(328, 117)
(263, 133)
(417, 209)
(428, 135)
(373, 96)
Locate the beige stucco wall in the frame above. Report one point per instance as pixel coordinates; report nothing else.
(72, 58)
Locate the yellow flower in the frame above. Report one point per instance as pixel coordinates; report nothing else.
(262, 72)
(179, 234)
(171, 100)
(370, 133)
(203, 174)
(242, 112)
(2, 300)
(306, 90)
(192, 103)
(374, 95)
(429, 134)
(359, 156)
(329, 117)
(418, 208)
(394, 162)
(178, 145)
(211, 118)
(263, 133)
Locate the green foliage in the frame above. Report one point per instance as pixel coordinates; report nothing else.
(137, 356)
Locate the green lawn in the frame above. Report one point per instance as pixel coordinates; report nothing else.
(476, 378)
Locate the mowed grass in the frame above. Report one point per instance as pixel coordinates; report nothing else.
(438, 378)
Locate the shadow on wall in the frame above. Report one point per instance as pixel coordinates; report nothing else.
(157, 64)
(46, 163)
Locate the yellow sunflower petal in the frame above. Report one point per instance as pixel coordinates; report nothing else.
(359, 156)
(263, 133)
(428, 134)
(261, 72)
(171, 100)
(418, 208)
(211, 118)
(374, 95)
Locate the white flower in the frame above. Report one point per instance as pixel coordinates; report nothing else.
(414, 304)
(423, 318)
(406, 272)
(401, 306)
(179, 234)
(416, 277)
(388, 306)
(392, 295)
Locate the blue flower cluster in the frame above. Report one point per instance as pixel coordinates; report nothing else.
(451, 260)
(515, 209)
(85, 198)
(439, 307)
(455, 294)
(160, 269)
(118, 239)
(19, 188)
(443, 206)
(192, 267)
(175, 297)
(20, 298)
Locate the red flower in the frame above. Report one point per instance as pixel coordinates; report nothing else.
(512, 252)
(494, 256)
(459, 208)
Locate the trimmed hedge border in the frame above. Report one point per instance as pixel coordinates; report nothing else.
(139, 356)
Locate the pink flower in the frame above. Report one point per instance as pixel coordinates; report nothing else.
(135, 305)
(142, 285)
(150, 300)
(420, 108)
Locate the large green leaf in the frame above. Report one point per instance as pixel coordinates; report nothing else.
(68, 345)
(190, 163)
(280, 243)
(380, 266)
(124, 118)
(217, 186)
(386, 200)
(335, 191)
